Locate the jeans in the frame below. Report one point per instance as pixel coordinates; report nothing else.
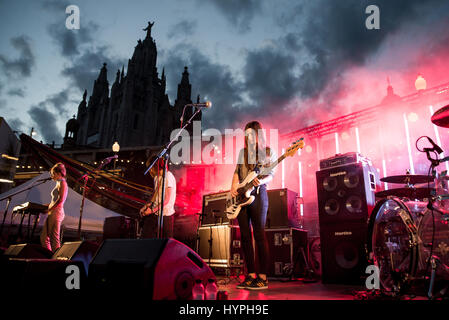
(50, 234)
(151, 223)
(256, 215)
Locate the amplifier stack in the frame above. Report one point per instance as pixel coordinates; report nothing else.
(346, 186)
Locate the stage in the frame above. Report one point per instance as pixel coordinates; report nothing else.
(298, 290)
(289, 290)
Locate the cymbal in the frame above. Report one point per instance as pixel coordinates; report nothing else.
(411, 193)
(441, 117)
(407, 179)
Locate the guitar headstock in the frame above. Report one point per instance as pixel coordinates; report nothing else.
(298, 144)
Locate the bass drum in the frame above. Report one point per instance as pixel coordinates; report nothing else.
(434, 228)
(393, 241)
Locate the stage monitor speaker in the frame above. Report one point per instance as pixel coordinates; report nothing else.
(161, 268)
(282, 209)
(346, 193)
(82, 251)
(42, 275)
(119, 227)
(343, 253)
(27, 251)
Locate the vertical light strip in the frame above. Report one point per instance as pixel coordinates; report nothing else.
(337, 146)
(438, 138)
(357, 138)
(407, 133)
(384, 168)
(282, 169)
(301, 206)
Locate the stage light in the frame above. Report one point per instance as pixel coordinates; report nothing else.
(6, 181)
(308, 149)
(413, 117)
(420, 83)
(345, 136)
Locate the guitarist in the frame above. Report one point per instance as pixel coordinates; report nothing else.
(254, 153)
(150, 211)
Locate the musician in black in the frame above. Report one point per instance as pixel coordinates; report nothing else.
(255, 154)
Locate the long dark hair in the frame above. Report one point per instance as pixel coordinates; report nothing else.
(260, 147)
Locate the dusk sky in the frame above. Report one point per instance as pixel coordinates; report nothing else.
(289, 64)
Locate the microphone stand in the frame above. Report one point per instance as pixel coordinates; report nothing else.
(164, 156)
(85, 177)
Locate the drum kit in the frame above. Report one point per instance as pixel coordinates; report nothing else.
(409, 229)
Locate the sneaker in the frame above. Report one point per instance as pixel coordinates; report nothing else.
(258, 284)
(245, 283)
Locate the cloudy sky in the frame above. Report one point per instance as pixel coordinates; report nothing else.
(287, 63)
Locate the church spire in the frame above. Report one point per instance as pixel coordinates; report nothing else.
(184, 88)
(117, 77)
(103, 77)
(185, 77)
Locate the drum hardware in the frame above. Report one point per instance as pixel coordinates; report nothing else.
(408, 179)
(433, 261)
(410, 193)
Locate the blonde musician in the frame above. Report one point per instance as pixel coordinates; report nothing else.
(50, 235)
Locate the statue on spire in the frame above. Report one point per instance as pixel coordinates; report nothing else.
(148, 29)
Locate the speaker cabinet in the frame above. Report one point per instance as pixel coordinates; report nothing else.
(120, 227)
(214, 206)
(82, 251)
(160, 268)
(346, 197)
(27, 251)
(42, 275)
(346, 193)
(343, 253)
(282, 209)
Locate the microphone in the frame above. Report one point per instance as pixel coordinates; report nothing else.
(435, 146)
(46, 179)
(206, 104)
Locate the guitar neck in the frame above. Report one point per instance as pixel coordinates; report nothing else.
(273, 165)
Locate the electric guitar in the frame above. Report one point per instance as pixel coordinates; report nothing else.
(244, 189)
(148, 209)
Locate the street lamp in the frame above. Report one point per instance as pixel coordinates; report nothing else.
(115, 149)
(420, 83)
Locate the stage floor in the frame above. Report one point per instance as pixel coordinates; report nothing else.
(289, 290)
(299, 290)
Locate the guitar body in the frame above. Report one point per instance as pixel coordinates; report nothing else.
(244, 198)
